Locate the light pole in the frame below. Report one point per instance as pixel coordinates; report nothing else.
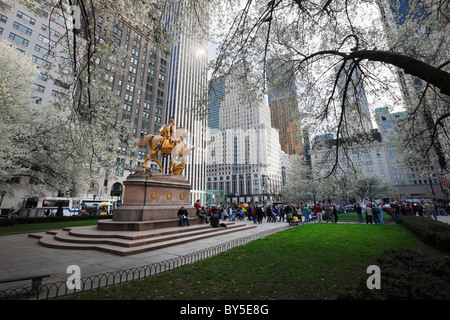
(264, 186)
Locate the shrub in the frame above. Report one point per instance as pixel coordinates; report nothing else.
(434, 233)
(407, 275)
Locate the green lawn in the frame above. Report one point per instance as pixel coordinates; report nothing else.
(313, 261)
(46, 226)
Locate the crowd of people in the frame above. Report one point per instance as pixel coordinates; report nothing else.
(271, 213)
(306, 212)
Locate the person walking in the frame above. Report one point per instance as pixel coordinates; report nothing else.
(433, 210)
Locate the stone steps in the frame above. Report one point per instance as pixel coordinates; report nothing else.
(127, 243)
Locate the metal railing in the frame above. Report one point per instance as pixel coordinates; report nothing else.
(61, 288)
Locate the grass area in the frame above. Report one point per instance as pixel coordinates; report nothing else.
(46, 226)
(353, 216)
(313, 261)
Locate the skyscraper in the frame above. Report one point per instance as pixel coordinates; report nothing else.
(244, 156)
(187, 82)
(140, 88)
(216, 93)
(284, 106)
(408, 179)
(357, 118)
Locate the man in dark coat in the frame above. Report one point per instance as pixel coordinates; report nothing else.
(183, 215)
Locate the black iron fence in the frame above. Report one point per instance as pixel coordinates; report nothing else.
(63, 288)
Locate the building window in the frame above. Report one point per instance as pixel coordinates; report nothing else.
(37, 87)
(46, 40)
(43, 50)
(22, 28)
(40, 61)
(50, 31)
(18, 39)
(26, 18)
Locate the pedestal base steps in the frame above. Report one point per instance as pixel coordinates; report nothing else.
(126, 243)
(146, 221)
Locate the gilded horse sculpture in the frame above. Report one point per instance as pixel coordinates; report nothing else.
(167, 141)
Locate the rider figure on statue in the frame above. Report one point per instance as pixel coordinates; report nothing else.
(167, 132)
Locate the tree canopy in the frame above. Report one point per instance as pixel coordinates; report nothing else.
(331, 48)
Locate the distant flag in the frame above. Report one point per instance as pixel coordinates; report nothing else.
(445, 177)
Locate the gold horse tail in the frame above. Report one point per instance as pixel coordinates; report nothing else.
(146, 139)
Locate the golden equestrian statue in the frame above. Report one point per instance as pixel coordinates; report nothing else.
(169, 142)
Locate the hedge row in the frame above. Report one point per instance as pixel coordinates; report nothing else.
(406, 274)
(434, 233)
(5, 222)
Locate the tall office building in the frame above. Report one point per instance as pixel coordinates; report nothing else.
(244, 156)
(407, 179)
(141, 88)
(357, 118)
(32, 35)
(412, 26)
(187, 82)
(216, 93)
(284, 106)
(281, 113)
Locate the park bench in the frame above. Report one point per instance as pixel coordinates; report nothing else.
(36, 280)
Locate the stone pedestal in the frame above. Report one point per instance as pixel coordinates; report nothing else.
(151, 200)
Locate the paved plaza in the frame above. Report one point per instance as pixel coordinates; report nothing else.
(21, 254)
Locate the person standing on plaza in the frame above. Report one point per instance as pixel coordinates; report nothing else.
(375, 213)
(380, 213)
(197, 206)
(259, 214)
(306, 209)
(433, 210)
(281, 214)
(318, 210)
(368, 212)
(335, 214)
(426, 209)
(359, 212)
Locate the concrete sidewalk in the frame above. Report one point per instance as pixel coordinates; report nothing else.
(445, 219)
(22, 254)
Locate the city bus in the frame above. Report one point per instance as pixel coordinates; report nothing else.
(74, 206)
(49, 206)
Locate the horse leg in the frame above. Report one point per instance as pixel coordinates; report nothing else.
(145, 161)
(159, 164)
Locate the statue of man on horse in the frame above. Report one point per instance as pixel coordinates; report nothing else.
(164, 143)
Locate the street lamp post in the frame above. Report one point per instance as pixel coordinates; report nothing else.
(264, 186)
